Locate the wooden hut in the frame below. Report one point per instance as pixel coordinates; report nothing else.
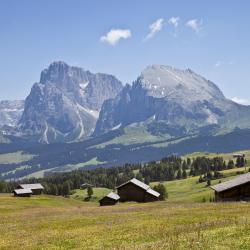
(36, 188)
(233, 190)
(135, 190)
(26, 192)
(110, 199)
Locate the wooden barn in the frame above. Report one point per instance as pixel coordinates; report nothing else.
(135, 190)
(110, 199)
(36, 188)
(26, 192)
(236, 189)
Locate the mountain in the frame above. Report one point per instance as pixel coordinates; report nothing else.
(10, 112)
(172, 102)
(64, 105)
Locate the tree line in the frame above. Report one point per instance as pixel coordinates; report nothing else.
(167, 169)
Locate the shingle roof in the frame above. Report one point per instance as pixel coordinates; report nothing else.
(237, 181)
(142, 185)
(153, 192)
(23, 191)
(113, 196)
(137, 183)
(31, 186)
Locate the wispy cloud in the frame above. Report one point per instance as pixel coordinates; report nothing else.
(174, 21)
(194, 24)
(154, 28)
(115, 35)
(241, 100)
(220, 63)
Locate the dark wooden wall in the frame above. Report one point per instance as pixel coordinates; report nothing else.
(106, 201)
(131, 192)
(37, 191)
(234, 194)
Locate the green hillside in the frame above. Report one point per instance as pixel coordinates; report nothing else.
(185, 191)
(116, 148)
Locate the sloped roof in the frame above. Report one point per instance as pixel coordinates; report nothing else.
(31, 186)
(113, 196)
(137, 183)
(142, 185)
(237, 181)
(23, 191)
(153, 192)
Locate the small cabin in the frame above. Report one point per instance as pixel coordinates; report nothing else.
(110, 199)
(135, 190)
(239, 156)
(26, 192)
(36, 188)
(86, 185)
(237, 189)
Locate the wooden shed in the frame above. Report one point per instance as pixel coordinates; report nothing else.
(36, 188)
(110, 199)
(233, 190)
(135, 190)
(26, 192)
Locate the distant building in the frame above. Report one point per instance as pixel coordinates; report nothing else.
(36, 188)
(135, 190)
(238, 155)
(86, 185)
(26, 192)
(110, 199)
(233, 190)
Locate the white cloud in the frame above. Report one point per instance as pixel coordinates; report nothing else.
(194, 24)
(241, 100)
(174, 21)
(115, 35)
(218, 64)
(154, 28)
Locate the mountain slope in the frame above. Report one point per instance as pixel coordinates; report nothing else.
(169, 101)
(10, 112)
(65, 104)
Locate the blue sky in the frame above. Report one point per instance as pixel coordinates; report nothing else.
(210, 37)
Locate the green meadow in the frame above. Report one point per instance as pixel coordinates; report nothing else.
(47, 222)
(186, 220)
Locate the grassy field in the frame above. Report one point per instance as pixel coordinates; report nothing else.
(181, 222)
(59, 223)
(81, 195)
(16, 157)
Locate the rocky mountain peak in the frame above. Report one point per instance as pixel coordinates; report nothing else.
(174, 97)
(165, 81)
(65, 104)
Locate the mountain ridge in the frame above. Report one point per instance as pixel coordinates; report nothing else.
(64, 105)
(181, 98)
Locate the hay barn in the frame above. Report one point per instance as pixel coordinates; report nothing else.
(135, 190)
(36, 188)
(26, 192)
(110, 199)
(236, 189)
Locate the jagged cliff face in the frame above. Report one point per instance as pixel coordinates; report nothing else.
(65, 104)
(175, 99)
(10, 112)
